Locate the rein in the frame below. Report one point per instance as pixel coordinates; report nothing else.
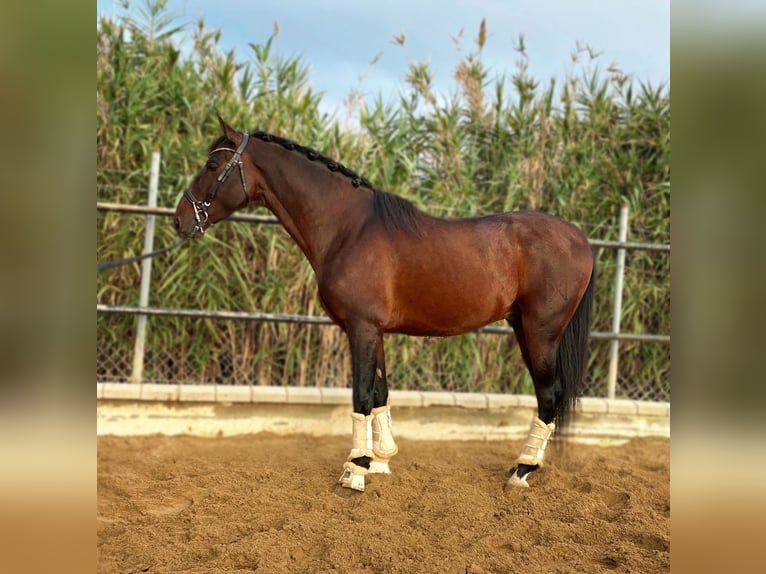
(119, 262)
(200, 207)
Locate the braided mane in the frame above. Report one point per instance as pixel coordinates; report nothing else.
(395, 212)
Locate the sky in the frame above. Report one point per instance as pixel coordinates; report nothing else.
(338, 39)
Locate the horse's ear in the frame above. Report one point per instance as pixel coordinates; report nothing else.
(231, 134)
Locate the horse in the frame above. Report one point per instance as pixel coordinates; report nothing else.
(384, 266)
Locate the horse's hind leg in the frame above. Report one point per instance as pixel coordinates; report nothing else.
(539, 353)
(372, 442)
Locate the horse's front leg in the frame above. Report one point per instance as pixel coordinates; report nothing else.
(372, 443)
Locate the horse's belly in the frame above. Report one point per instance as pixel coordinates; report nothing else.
(445, 313)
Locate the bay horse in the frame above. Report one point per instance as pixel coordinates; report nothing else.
(384, 266)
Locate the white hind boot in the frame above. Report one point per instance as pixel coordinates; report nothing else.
(533, 451)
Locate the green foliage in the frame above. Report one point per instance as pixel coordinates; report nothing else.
(578, 147)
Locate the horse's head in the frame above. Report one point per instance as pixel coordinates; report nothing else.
(225, 184)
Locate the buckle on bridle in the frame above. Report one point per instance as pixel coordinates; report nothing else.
(200, 210)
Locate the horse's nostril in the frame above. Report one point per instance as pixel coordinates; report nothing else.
(177, 223)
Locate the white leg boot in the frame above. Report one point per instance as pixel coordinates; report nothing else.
(361, 445)
(383, 444)
(533, 451)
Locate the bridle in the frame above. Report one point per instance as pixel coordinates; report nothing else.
(200, 207)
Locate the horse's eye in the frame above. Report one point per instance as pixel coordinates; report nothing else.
(211, 165)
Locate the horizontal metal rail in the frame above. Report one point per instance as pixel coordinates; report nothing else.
(166, 211)
(319, 320)
(629, 245)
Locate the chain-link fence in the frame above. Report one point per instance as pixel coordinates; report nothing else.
(251, 352)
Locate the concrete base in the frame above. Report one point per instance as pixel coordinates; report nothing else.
(593, 424)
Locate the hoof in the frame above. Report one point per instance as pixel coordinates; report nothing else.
(379, 467)
(516, 482)
(352, 477)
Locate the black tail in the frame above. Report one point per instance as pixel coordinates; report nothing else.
(572, 356)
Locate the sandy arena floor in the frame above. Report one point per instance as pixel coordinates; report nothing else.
(264, 503)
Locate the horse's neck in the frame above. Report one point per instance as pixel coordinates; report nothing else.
(313, 205)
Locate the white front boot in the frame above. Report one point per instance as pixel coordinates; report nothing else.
(383, 444)
(361, 445)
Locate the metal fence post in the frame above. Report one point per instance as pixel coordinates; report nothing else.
(617, 313)
(146, 273)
